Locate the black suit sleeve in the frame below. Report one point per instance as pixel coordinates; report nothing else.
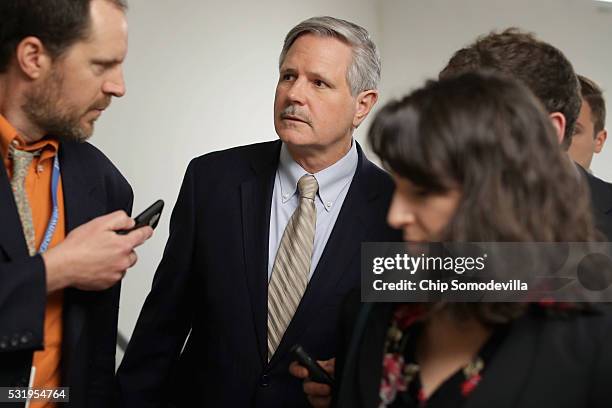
(23, 291)
(165, 319)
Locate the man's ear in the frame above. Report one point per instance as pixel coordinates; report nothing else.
(32, 57)
(559, 123)
(600, 139)
(364, 103)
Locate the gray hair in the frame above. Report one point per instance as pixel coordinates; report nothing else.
(364, 71)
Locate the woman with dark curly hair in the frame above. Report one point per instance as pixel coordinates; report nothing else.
(475, 158)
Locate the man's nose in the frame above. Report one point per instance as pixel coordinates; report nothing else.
(115, 84)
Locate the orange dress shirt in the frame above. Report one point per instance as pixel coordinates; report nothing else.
(47, 362)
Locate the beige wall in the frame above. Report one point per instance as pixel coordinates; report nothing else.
(418, 37)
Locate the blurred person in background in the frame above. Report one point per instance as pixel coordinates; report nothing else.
(551, 77)
(590, 134)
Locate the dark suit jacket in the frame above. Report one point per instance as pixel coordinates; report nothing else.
(213, 282)
(544, 362)
(92, 187)
(601, 200)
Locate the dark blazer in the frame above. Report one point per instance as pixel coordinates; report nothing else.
(601, 200)
(92, 187)
(544, 362)
(213, 281)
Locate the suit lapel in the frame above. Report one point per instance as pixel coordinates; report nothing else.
(80, 206)
(601, 192)
(12, 240)
(256, 201)
(80, 201)
(347, 234)
(601, 201)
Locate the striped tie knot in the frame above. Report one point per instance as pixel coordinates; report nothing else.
(308, 186)
(22, 156)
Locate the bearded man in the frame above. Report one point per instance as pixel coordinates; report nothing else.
(61, 200)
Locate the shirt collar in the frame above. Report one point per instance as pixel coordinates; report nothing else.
(576, 168)
(10, 136)
(332, 180)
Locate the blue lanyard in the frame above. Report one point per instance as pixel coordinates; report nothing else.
(55, 214)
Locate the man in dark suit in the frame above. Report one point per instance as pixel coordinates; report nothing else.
(265, 240)
(60, 259)
(589, 138)
(551, 77)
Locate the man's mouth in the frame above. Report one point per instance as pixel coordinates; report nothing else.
(294, 118)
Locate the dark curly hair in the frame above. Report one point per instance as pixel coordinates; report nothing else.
(539, 65)
(488, 136)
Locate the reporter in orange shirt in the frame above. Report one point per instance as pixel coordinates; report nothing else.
(61, 200)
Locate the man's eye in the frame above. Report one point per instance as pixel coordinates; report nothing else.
(320, 84)
(287, 77)
(100, 68)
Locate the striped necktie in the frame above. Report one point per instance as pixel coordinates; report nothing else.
(292, 264)
(21, 165)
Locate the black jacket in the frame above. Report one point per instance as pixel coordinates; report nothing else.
(213, 280)
(601, 200)
(544, 361)
(92, 187)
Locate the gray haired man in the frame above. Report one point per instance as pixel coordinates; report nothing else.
(265, 239)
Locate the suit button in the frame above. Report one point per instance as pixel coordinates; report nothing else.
(264, 381)
(15, 340)
(26, 338)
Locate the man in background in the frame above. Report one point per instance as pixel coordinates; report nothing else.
(61, 199)
(551, 77)
(590, 133)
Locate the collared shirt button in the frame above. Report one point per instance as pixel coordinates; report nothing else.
(328, 204)
(40, 168)
(15, 142)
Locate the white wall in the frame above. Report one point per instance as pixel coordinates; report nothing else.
(201, 77)
(419, 36)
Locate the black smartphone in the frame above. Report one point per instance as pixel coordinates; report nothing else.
(316, 372)
(149, 217)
